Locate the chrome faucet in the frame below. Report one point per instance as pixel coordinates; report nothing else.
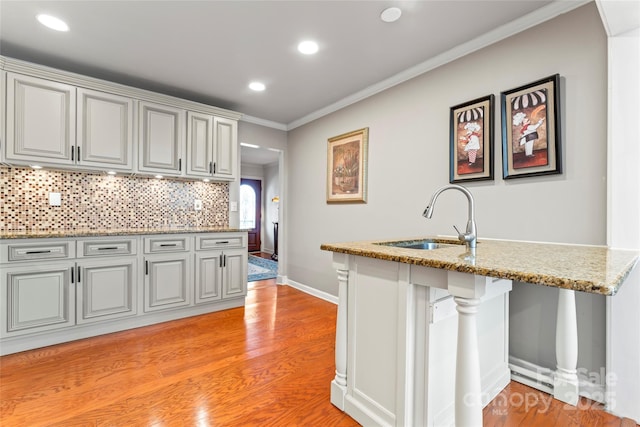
(471, 233)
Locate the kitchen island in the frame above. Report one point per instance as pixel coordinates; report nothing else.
(395, 307)
(58, 286)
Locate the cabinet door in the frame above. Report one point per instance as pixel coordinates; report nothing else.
(234, 274)
(40, 121)
(161, 139)
(225, 148)
(167, 282)
(36, 298)
(105, 130)
(199, 144)
(106, 289)
(208, 277)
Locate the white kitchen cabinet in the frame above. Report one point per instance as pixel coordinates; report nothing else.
(104, 130)
(221, 266)
(212, 150)
(106, 278)
(55, 290)
(199, 144)
(3, 116)
(225, 141)
(234, 273)
(40, 120)
(167, 282)
(208, 280)
(161, 139)
(220, 275)
(37, 297)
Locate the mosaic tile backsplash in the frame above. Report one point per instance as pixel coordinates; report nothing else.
(100, 201)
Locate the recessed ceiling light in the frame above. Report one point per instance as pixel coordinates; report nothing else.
(308, 47)
(52, 22)
(257, 86)
(391, 14)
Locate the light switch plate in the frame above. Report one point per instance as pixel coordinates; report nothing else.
(197, 205)
(55, 199)
(233, 206)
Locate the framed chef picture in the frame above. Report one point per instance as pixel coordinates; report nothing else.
(471, 140)
(531, 129)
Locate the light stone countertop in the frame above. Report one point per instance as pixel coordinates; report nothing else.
(594, 269)
(39, 234)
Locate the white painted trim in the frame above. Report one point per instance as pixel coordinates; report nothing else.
(514, 27)
(311, 291)
(542, 378)
(263, 122)
(41, 71)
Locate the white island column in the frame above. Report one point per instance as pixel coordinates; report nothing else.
(339, 383)
(565, 381)
(467, 290)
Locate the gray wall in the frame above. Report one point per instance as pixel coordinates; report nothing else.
(408, 160)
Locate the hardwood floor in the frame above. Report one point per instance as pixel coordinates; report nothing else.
(267, 364)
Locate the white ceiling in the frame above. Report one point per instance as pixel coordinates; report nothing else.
(208, 51)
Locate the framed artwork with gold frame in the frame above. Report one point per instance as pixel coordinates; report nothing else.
(347, 167)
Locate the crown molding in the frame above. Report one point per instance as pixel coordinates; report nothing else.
(263, 122)
(48, 73)
(523, 23)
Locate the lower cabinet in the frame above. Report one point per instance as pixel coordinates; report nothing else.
(37, 298)
(167, 281)
(106, 289)
(54, 290)
(220, 274)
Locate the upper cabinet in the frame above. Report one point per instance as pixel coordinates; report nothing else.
(212, 147)
(40, 121)
(199, 144)
(105, 130)
(161, 139)
(43, 127)
(225, 148)
(63, 120)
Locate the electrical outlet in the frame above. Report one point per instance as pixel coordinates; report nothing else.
(233, 206)
(55, 199)
(197, 205)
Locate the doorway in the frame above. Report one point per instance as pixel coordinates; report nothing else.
(251, 211)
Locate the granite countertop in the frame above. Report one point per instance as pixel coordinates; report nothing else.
(594, 269)
(38, 234)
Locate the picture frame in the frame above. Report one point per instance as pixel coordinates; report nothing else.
(471, 140)
(347, 167)
(531, 132)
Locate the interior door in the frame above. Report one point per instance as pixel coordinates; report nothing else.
(251, 210)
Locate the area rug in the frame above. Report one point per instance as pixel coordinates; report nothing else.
(261, 268)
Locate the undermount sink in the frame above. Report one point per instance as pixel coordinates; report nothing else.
(426, 244)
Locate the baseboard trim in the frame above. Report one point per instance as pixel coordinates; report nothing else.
(541, 378)
(308, 289)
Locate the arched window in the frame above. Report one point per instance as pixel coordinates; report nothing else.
(247, 207)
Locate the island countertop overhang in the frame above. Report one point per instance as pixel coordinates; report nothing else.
(593, 269)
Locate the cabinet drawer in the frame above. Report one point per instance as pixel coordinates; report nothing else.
(163, 244)
(91, 248)
(57, 249)
(211, 242)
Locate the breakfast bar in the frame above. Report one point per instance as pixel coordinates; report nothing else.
(419, 291)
